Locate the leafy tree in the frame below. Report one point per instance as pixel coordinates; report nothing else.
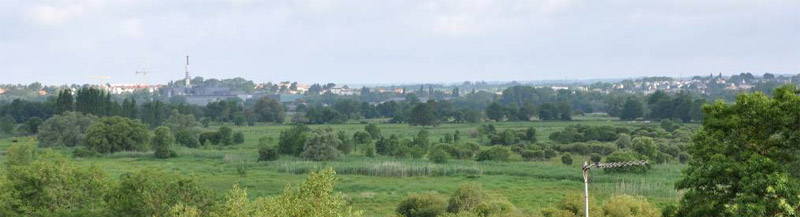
(291, 141)
(267, 153)
(630, 206)
(7, 125)
(209, 138)
(113, 134)
(48, 184)
(422, 205)
(64, 102)
(632, 109)
(269, 110)
(238, 138)
(530, 135)
(66, 129)
(645, 146)
(321, 146)
(31, 126)
(153, 192)
(361, 138)
(438, 156)
(495, 153)
(743, 158)
(373, 130)
(495, 111)
(422, 114)
(623, 141)
(314, 197)
(225, 135)
(388, 146)
(566, 159)
(421, 140)
(162, 142)
(347, 143)
(466, 198)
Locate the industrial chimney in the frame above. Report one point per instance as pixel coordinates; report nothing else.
(188, 79)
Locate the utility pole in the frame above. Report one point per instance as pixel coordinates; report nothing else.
(587, 166)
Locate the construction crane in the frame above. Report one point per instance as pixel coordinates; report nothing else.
(101, 79)
(587, 167)
(144, 73)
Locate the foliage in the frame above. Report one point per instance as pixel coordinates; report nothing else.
(322, 146)
(632, 109)
(742, 158)
(83, 152)
(291, 141)
(625, 156)
(495, 153)
(623, 141)
(438, 156)
(314, 197)
(267, 153)
(50, 185)
(67, 129)
(629, 206)
(208, 138)
(162, 142)
(566, 159)
(422, 205)
(238, 138)
(595, 158)
(373, 131)
(269, 110)
(466, 198)
(152, 192)
(113, 134)
(225, 135)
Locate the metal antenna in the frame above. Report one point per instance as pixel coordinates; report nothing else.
(587, 166)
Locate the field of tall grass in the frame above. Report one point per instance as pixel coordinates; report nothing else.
(378, 184)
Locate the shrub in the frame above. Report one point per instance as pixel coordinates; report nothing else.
(291, 141)
(624, 141)
(225, 135)
(533, 155)
(683, 157)
(566, 159)
(208, 138)
(347, 144)
(112, 134)
(595, 158)
(625, 205)
(152, 192)
(550, 153)
(466, 198)
(438, 156)
(422, 205)
(373, 131)
(186, 138)
(321, 146)
(495, 153)
(238, 138)
(162, 143)
(267, 153)
(369, 151)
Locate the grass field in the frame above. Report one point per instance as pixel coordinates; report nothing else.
(378, 184)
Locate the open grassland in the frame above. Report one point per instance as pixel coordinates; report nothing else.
(378, 184)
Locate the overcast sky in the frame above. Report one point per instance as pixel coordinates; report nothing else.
(387, 41)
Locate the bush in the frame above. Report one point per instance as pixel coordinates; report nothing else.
(186, 138)
(422, 205)
(225, 135)
(162, 143)
(533, 155)
(369, 151)
(683, 157)
(208, 138)
(550, 153)
(566, 159)
(624, 141)
(152, 192)
(321, 146)
(238, 138)
(267, 153)
(595, 158)
(466, 198)
(373, 131)
(113, 134)
(293, 140)
(495, 153)
(438, 156)
(347, 144)
(625, 205)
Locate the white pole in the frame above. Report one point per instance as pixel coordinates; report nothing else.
(586, 186)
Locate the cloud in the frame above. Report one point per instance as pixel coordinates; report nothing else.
(132, 28)
(50, 15)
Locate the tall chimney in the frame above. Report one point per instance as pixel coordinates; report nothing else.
(188, 79)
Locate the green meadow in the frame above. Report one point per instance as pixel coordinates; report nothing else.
(378, 184)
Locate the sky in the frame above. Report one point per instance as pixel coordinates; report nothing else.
(394, 41)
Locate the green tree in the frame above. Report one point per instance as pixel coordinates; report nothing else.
(495, 111)
(422, 205)
(66, 129)
(322, 146)
(31, 126)
(269, 110)
(64, 102)
(153, 192)
(113, 134)
(373, 130)
(162, 143)
(743, 158)
(48, 184)
(7, 125)
(632, 109)
(422, 114)
(238, 138)
(225, 135)
(291, 141)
